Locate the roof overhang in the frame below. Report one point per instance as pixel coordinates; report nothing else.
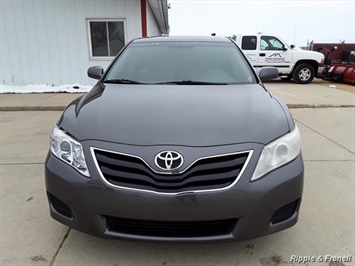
(160, 12)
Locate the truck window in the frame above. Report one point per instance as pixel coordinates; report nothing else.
(271, 43)
(249, 43)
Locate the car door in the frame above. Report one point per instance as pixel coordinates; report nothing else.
(273, 52)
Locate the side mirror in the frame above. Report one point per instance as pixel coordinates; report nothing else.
(95, 72)
(267, 73)
(292, 46)
(334, 48)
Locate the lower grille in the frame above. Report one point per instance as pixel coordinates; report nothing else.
(61, 207)
(170, 229)
(214, 172)
(284, 213)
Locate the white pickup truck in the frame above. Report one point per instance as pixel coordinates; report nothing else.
(269, 50)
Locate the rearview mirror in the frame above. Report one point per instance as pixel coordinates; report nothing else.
(95, 72)
(267, 73)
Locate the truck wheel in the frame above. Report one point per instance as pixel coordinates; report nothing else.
(303, 74)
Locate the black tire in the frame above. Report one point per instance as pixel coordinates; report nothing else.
(303, 73)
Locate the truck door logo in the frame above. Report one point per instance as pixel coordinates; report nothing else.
(275, 58)
(276, 55)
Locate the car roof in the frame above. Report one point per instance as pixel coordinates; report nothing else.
(183, 39)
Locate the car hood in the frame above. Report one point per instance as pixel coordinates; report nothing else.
(176, 115)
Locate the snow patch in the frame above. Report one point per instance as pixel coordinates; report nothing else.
(44, 88)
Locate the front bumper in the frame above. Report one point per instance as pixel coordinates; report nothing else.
(320, 70)
(251, 207)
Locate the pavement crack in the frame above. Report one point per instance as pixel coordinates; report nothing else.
(32, 108)
(20, 163)
(325, 136)
(61, 108)
(48, 96)
(59, 248)
(329, 160)
(317, 106)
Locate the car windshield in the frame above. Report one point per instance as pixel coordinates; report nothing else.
(194, 63)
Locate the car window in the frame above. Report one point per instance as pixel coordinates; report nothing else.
(249, 43)
(271, 43)
(159, 62)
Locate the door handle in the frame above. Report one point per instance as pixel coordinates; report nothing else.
(262, 54)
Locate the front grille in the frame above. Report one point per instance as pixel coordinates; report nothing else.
(170, 229)
(284, 213)
(207, 173)
(61, 207)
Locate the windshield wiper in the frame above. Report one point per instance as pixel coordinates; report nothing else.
(192, 82)
(122, 81)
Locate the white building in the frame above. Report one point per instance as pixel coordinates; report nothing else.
(54, 42)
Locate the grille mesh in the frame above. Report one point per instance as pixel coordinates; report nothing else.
(61, 207)
(131, 172)
(170, 229)
(284, 213)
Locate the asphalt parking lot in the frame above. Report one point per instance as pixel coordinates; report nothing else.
(326, 118)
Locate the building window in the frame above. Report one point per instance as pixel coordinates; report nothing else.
(107, 38)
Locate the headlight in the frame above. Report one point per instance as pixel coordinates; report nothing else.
(68, 150)
(278, 153)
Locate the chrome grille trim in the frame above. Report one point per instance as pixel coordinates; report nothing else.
(92, 149)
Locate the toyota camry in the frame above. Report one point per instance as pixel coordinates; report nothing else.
(179, 140)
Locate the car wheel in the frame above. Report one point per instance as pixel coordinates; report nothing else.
(303, 74)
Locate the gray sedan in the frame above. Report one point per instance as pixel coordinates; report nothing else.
(179, 140)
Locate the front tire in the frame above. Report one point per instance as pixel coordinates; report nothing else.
(303, 74)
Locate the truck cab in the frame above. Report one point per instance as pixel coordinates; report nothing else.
(292, 63)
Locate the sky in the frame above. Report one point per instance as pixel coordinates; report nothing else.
(296, 22)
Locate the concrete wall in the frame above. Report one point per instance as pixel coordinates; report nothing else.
(46, 42)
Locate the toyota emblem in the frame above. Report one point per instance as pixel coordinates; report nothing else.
(168, 160)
